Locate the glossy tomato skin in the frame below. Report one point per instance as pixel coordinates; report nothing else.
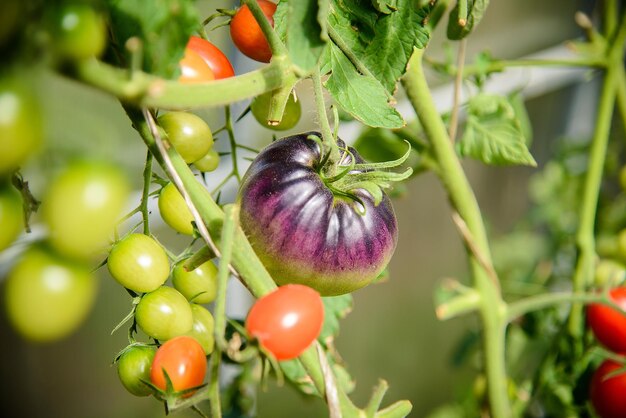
(609, 325)
(79, 32)
(214, 58)
(174, 210)
(164, 314)
(202, 328)
(287, 320)
(184, 361)
(198, 285)
(209, 162)
(48, 297)
(607, 394)
(302, 232)
(247, 35)
(188, 133)
(138, 263)
(291, 116)
(133, 368)
(193, 68)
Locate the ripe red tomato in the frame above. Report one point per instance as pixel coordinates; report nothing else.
(247, 35)
(214, 58)
(193, 69)
(286, 321)
(184, 361)
(607, 394)
(609, 325)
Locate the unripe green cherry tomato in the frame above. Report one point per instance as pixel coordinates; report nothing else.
(21, 131)
(193, 68)
(48, 298)
(209, 162)
(202, 328)
(133, 368)
(246, 32)
(188, 133)
(164, 314)
(183, 360)
(198, 285)
(82, 206)
(78, 32)
(287, 320)
(260, 107)
(139, 263)
(609, 272)
(11, 215)
(174, 210)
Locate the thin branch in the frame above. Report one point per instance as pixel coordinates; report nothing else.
(458, 84)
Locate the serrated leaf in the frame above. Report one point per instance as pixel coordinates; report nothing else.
(335, 308)
(163, 26)
(493, 133)
(360, 95)
(304, 35)
(475, 11)
(380, 43)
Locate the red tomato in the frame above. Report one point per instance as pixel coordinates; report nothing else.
(247, 35)
(608, 394)
(214, 58)
(608, 324)
(184, 361)
(287, 321)
(193, 69)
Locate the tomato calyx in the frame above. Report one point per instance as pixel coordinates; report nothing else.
(351, 173)
(177, 399)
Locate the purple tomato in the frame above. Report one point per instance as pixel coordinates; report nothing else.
(304, 232)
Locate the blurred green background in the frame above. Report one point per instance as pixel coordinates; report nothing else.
(391, 334)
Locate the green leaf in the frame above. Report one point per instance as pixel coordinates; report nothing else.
(304, 35)
(335, 308)
(379, 44)
(493, 133)
(475, 11)
(385, 6)
(298, 376)
(360, 95)
(163, 26)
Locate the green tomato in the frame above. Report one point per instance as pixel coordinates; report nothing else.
(21, 130)
(164, 314)
(174, 210)
(133, 368)
(78, 32)
(188, 133)
(209, 162)
(11, 215)
(609, 272)
(260, 107)
(202, 328)
(82, 206)
(198, 285)
(48, 298)
(139, 263)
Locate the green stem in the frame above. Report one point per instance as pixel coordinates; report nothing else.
(327, 133)
(585, 240)
(214, 384)
(231, 217)
(145, 195)
(233, 143)
(621, 95)
(545, 300)
(463, 200)
(146, 90)
(462, 12)
(611, 8)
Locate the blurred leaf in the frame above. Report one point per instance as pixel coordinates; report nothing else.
(298, 376)
(521, 114)
(379, 145)
(493, 134)
(343, 378)
(385, 6)
(335, 308)
(163, 26)
(475, 11)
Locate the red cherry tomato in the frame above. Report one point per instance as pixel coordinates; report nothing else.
(286, 321)
(246, 32)
(193, 69)
(184, 361)
(609, 325)
(214, 58)
(607, 393)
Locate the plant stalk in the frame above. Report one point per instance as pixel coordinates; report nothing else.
(463, 200)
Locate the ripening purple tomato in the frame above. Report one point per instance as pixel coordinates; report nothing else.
(302, 231)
